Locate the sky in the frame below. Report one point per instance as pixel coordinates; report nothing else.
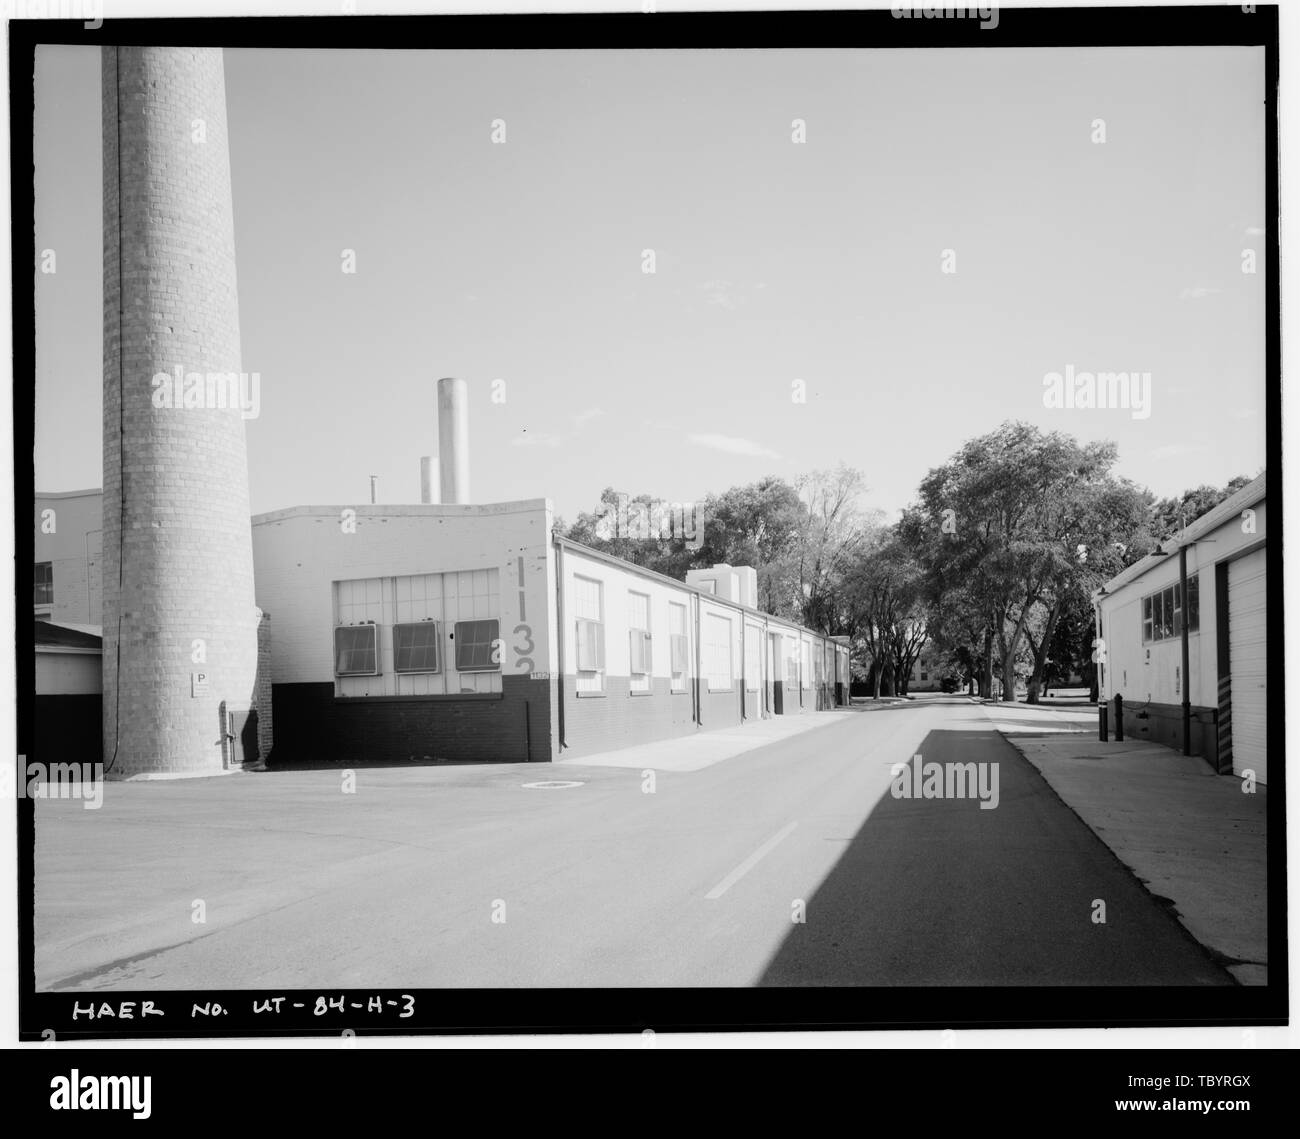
(775, 262)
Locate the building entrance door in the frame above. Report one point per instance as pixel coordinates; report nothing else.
(776, 674)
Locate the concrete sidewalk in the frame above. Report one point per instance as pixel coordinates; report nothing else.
(1193, 838)
(691, 753)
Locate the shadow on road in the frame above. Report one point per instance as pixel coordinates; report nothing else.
(942, 892)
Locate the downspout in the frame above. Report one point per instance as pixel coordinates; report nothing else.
(744, 664)
(1101, 665)
(1187, 685)
(559, 636)
(699, 712)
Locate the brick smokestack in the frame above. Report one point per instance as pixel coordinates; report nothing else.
(453, 439)
(180, 626)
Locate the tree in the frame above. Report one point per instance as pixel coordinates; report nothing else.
(885, 614)
(644, 530)
(1103, 525)
(998, 530)
(757, 525)
(1169, 515)
(830, 541)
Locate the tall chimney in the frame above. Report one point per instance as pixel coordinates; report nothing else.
(180, 625)
(453, 440)
(428, 480)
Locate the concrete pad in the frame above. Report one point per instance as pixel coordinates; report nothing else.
(1191, 836)
(1038, 719)
(704, 749)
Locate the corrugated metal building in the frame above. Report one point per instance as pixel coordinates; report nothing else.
(1142, 612)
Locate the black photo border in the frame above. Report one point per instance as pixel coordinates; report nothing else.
(496, 1011)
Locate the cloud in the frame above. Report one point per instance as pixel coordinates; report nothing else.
(732, 446)
(537, 439)
(1197, 293)
(584, 417)
(1254, 231)
(722, 293)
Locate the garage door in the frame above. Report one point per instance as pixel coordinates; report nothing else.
(1247, 631)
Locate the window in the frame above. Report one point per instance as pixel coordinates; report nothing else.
(1162, 613)
(716, 648)
(415, 647)
(44, 582)
(476, 649)
(679, 646)
(355, 650)
(434, 634)
(807, 663)
(638, 638)
(589, 634)
(591, 645)
(791, 661)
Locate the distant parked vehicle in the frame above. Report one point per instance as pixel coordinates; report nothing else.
(949, 684)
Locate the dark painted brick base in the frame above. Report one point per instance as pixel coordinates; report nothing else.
(68, 729)
(1163, 724)
(618, 719)
(312, 726)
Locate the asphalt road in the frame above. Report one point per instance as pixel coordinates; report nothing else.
(789, 865)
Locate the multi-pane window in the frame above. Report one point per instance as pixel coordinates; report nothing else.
(415, 647)
(44, 583)
(416, 618)
(638, 641)
(476, 646)
(1162, 613)
(791, 660)
(679, 646)
(805, 655)
(589, 633)
(715, 645)
(356, 650)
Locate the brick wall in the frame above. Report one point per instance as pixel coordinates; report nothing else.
(593, 724)
(65, 729)
(1163, 724)
(313, 726)
(176, 514)
(263, 702)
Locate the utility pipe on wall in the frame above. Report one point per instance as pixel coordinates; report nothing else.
(1186, 679)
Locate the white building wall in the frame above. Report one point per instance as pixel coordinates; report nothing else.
(300, 553)
(68, 671)
(616, 583)
(1150, 671)
(68, 534)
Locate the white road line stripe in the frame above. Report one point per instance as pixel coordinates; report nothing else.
(750, 862)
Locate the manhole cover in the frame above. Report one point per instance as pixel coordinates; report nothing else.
(553, 784)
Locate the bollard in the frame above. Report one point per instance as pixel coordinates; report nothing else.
(1119, 718)
(1101, 721)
